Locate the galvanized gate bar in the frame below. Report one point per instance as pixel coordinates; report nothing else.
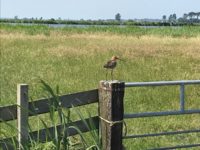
(161, 134)
(162, 113)
(164, 83)
(161, 83)
(182, 97)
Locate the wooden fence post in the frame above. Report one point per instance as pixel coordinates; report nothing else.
(111, 112)
(22, 113)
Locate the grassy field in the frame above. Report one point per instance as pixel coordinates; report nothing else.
(73, 58)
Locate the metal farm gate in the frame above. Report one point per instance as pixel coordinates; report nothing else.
(181, 111)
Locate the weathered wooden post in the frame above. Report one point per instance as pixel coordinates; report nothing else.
(111, 112)
(22, 113)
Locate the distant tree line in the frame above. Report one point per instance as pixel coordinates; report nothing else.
(60, 21)
(192, 18)
(187, 18)
(85, 22)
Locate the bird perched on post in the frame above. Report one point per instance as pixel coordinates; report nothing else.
(111, 64)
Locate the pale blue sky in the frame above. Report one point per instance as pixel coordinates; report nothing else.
(96, 9)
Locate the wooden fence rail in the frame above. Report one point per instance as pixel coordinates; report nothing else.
(42, 136)
(23, 109)
(41, 106)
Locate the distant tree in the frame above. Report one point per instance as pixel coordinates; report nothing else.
(118, 17)
(16, 17)
(174, 16)
(185, 16)
(198, 14)
(170, 18)
(164, 17)
(191, 14)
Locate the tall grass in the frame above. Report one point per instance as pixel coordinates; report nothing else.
(30, 30)
(61, 140)
(73, 58)
(182, 31)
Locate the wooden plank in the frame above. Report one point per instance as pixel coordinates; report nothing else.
(41, 106)
(8, 113)
(22, 114)
(43, 137)
(111, 111)
(70, 131)
(67, 101)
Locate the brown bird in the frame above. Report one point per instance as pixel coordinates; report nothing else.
(111, 64)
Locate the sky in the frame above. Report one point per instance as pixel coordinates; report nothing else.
(96, 9)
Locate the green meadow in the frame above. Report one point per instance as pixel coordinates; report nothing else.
(73, 59)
